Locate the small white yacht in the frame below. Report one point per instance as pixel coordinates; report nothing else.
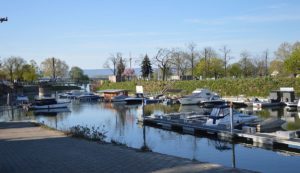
(71, 94)
(87, 96)
(119, 98)
(221, 116)
(197, 97)
(48, 103)
(138, 99)
(21, 100)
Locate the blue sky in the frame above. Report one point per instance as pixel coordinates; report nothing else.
(85, 32)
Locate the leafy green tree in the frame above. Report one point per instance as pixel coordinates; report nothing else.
(13, 67)
(235, 70)
(207, 54)
(77, 75)
(216, 67)
(292, 63)
(54, 67)
(146, 67)
(276, 65)
(200, 69)
(209, 64)
(29, 73)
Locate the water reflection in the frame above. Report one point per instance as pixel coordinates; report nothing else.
(120, 121)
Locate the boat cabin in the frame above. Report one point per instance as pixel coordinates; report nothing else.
(45, 101)
(282, 95)
(220, 111)
(204, 93)
(109, 94)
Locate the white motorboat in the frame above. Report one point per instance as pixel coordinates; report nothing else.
(197, 97)
(294, 104)
(119, 98)
(21, 100)
(221, 116)
(71, 94)
(264, 104)
(138, 99)
(87, 96)
(213, 101)
(48, 103)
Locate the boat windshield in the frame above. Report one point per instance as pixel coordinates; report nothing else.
(215, 112)
(224, 112)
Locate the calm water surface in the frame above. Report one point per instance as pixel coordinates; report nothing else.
(121, 123)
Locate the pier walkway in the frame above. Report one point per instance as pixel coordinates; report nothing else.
(27, 148)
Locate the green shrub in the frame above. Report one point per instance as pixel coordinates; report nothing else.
(93, 133)
(225, 87)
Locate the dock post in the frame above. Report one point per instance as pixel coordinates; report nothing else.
(231, 118)
(143, 105)
(8, 99)
(233, 155)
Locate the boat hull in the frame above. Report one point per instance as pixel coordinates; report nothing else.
(52, 106)
(267, 104)
(134, 101)
(210, 104)
(189, 101)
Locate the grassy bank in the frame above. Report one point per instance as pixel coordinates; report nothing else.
(225, 87)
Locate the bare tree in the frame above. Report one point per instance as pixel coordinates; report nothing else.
(284, 51)
(266, 56)
(163, 60)
(225, 51)
(192, 58)
(246, 63)
(176, 60)
(112, 62)
(259, 63)
(54, 67)
(180, 60)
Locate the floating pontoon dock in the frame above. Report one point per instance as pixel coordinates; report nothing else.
(284, 139)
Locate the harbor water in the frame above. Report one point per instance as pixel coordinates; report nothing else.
(120, 121)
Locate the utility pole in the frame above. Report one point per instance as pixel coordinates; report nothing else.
(53, 68)
(266, 61)
(205, 62)
(130, 60)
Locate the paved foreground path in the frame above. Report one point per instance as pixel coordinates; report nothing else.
(27, 148)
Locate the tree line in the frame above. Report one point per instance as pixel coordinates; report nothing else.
(211, 63)
(16, 68)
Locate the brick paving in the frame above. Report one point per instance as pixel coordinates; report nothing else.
(27, 148)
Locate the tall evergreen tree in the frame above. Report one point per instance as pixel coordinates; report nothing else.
(120, 67)
(146, 67)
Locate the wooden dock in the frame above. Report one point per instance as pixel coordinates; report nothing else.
(266, 140)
